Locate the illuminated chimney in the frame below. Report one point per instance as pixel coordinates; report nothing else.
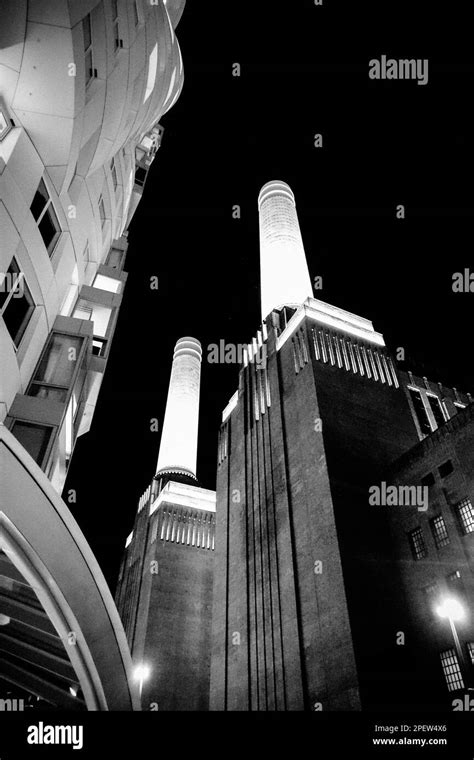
(178, 448)
(284, 275)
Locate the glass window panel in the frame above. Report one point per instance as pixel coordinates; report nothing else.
(39, 201)
(89, 66)
(34, 438)
(49, 228)
(86, 27)
(435, 405)
(420, 412)
(47, 391)
(107, 283)
(58, 363)
(18, 310)
(451, 670)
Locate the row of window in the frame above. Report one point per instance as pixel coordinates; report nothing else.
(91, 72)
(465, 515)
(17, 304)
(444, 470)
(430, 411)
(46, 218)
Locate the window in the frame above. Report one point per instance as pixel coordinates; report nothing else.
(56, 368)
(428, 480)
(33, 437)
(16, 302)
(455, 583)
(420, 411)
(103, 218)
(97, 312)
(99, 347)
(45, 217)
(136, 17)
(470, 651)
(152, 67)
(88, 56)
(140, 176)
(115, 20)
(103, 282)
(114, 173)
(465, 514)
(437, 409)
(417, 543)
(89, 266)
(440, 533)
(451, 670)
(446, 468)
(432, 590)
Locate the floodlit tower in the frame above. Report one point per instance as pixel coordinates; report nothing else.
(284, 272)
(178, 449)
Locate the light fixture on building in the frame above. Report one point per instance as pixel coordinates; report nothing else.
(4, 619)
(451, 608)
(141, 673)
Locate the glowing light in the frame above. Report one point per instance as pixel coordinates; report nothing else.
(73, 691)
(4, 619)
(284, 272)
(452, 609)
(178, 447)
(142, 672)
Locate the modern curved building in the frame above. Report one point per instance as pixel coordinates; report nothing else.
(61, 638)
(83, 86)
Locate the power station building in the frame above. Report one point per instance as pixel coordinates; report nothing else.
(327, 594)
(164, 592)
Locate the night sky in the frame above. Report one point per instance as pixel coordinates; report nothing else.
(304, 70)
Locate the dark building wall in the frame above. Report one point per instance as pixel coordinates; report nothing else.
(167, 603)
(289, 494)
(453, 442)
(367, 424)
(304, 491)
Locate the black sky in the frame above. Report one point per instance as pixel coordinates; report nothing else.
(304, 70)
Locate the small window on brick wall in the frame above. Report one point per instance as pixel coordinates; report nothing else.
(417, 543)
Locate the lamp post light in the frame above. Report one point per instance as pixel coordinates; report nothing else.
(453, 610)
(141, 673)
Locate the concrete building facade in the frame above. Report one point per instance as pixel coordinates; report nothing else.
(83, 85)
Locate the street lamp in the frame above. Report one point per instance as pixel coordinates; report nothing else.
(452, 609)
(141, 673)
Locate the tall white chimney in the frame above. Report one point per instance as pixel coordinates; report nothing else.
(284, 275)
(178, 447)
